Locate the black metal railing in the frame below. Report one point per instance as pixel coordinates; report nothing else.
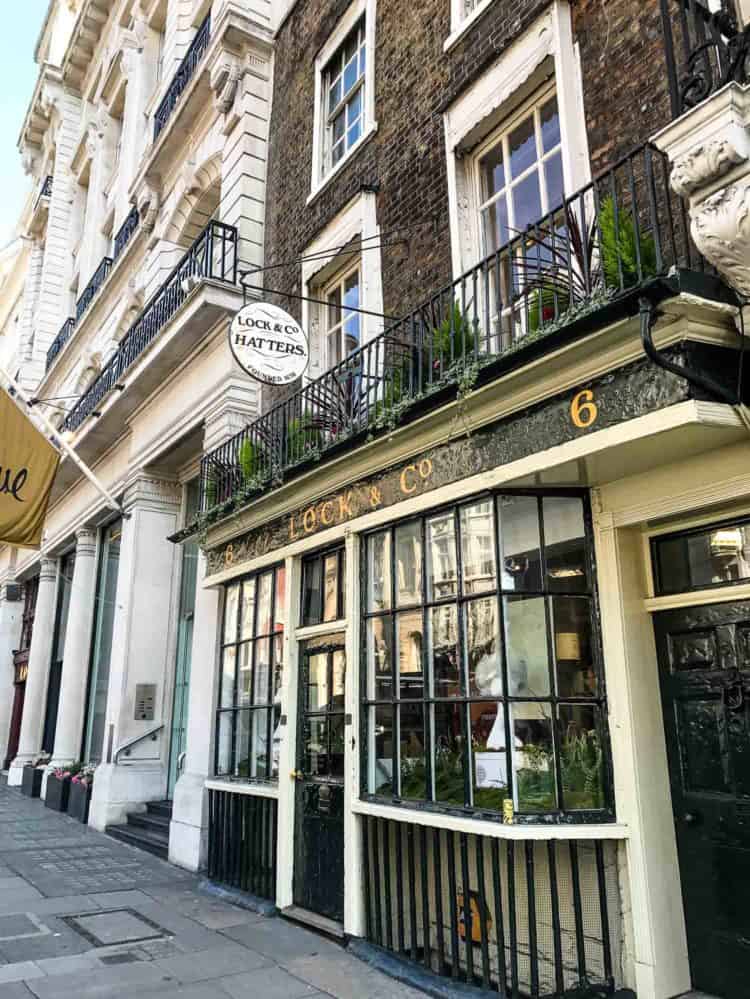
(66, 331)
(704, 50)
(520, 917)
(89, 292)
(620, 231)
(212, 255)
(126, 230)
(183, 76)
(44, 191)
(242, 832)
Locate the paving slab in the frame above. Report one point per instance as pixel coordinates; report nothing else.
(345, 976)
(282, 941)
(16, 990)
(212, 964)
(270, 983)
(129, 980)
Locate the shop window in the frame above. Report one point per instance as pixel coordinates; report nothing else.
(323, 595)
(482, 673)
(249, 712)
(717, 555)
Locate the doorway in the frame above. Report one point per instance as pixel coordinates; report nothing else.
(319, 807)
(704, 674)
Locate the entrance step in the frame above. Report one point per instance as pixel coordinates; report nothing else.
(147, 830)
(320, 923)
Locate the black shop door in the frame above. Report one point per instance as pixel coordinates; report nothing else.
(319, 834)
(704, 668)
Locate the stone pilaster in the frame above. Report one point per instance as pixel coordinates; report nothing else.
(139, 63)
(40, 654)
(10, 633)
(29, 374)
(188, 834)
(238, 403)
(76, 651)
(100, 147)
(141, 652)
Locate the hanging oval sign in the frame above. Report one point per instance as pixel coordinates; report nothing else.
(269, 344)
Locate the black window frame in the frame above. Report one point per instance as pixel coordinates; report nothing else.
(320, 557)
(684, 535)
(270, 706)
(561, 816)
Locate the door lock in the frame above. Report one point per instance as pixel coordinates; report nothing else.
(296, 775)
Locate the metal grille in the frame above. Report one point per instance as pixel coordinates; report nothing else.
(183, 76)
(520, 917)
(242, 842)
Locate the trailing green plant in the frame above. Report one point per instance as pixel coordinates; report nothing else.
(453, 342)
(251, 460)
(303, 437)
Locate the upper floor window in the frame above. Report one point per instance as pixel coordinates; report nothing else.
(341, 324)
(463, 14)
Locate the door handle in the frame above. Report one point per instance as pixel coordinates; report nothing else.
(296, 775)
(691, 818)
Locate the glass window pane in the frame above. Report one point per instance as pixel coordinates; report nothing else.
(338, 680)
(242, 744)
(550, 121)
(278, 666)
(259, 744)
(379, 571)
(247, 613)
(353, 111)
(316, 746)
(229, 661)
(280, 601)
(478, 547)
(441, 557)
(413, 772)
(442, 651)
(448, 755)
(262, 673)
(380, 658)
(351, 73)
(265, 587)
(277, 735)
(230, 612)
(490, 761)
(495, 224)
(331, 587)
(409, 564)
(571, 625)
(492, 171)
(409, 641)
(351, 334)
(674, 569)
(527, 202)
(339, 124)
(312, 591)
(708, 558)
(581, 757)
(317, 682)
(336, 735)
(244, 675)
(224, 743)
(380, 752)
(553, 173)
(518, 518)
(482, 647)
(565, 543)
(533, 758)
(522, 147)
(526, 646)
(334, 93)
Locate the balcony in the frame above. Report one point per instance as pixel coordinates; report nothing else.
(212, 257)
(89, 292)
(123, 234)
(704, 50)
(573, 272)
(66, 332)
(40, 211)
(183, 76)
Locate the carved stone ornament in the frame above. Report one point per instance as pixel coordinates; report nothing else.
(28, 161)
(704, 165)
(721, 229)
(225, 78)
(149, 203)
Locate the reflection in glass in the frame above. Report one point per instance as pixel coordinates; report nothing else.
(408, 564)
(412, 752)
(519, 542)
(331, 587)
(227, 678)
(522, 145)
(571, 624)
(242, 744)
(247, 614)
(442, 651)
(442, 574)
(280, 600)
(448, 756)
(533, 759)
(244, 674)
(312, 591)
(581, 759)
(262, 672)
(278, 666)
(224, 743)
(317, 682)
(338, 680)
(230, 613)
(336, 733)
(380, 657)
(259, 746)
(409, 641)
(478, 547)
(482, 645)
(264, 604)
(564, 537)
(316, 746)
(550, 121)
(526, 646)
(490, 762)
(379, 571)
(380, 758)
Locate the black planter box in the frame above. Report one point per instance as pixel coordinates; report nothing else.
(31, 784)
(58, 789)
(79, 801)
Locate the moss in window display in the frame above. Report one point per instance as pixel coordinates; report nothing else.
(536, 780)
(581, 765)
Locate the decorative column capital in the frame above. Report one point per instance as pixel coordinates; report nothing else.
(153, 493)
(47, 570)
(85, 542)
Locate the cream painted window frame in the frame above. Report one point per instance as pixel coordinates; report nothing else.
(338, 280)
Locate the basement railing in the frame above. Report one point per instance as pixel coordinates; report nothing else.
(620, 231)
(183, 76)
(212, 255)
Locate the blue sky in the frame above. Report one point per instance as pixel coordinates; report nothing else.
(17, 78)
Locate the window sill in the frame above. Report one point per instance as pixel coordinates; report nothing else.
(323, 184)
(458, 33)
(241, 786)
(482, 827)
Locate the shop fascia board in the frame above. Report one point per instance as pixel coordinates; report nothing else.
(570, 367)
(233, 35)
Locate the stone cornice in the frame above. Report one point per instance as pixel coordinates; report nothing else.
(39, 114)
(84, 40)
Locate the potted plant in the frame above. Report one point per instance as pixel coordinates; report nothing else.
(58, 787)
(79, 799)
(31, 782)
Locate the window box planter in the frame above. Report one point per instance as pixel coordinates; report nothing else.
(79, 800)
(58, 791)
(31, 783)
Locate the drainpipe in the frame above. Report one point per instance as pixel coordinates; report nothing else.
(647, 314)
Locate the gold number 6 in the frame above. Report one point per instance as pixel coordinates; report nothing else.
(583, 409)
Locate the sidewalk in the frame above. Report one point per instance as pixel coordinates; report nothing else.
(83, 917)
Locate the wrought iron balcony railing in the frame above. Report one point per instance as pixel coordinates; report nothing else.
(620, 231)
(44, 191)
(704, 50)
(183, 76)
(97, 280)
(212, 255)
(66, 331)
(126, 230)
